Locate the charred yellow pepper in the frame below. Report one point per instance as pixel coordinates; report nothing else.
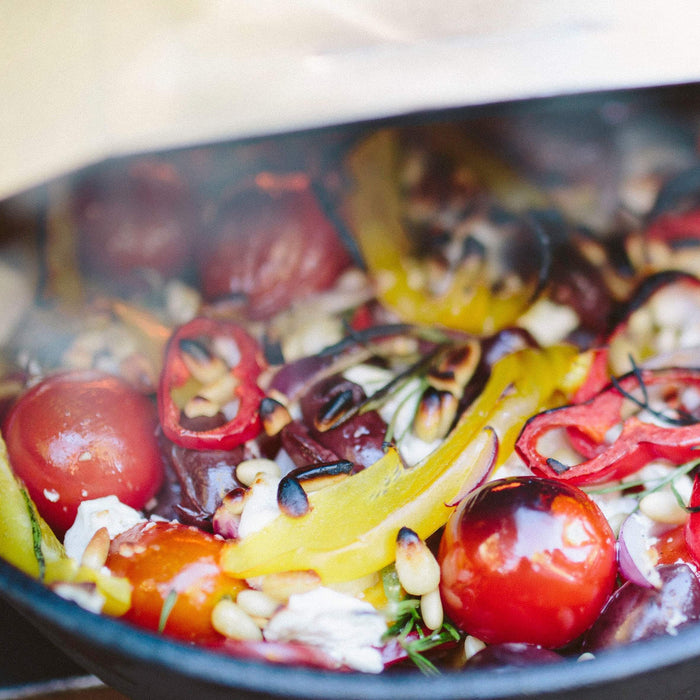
(350, 529)
(27, 542)
(469, 303)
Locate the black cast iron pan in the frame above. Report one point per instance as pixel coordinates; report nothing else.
(143, 665)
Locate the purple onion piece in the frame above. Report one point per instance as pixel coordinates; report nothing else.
(634, 559)
(500, 656)
(302, 448)
(636, 612)
(204, 478)
(359, 439)
(292, 378)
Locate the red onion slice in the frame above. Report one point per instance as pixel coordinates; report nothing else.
(635, 557)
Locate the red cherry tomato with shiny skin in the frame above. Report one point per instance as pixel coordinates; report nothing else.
(80, 435)
(167, 559)
(271, 246)
(527, 560)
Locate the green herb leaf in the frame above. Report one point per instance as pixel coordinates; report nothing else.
(167, 608)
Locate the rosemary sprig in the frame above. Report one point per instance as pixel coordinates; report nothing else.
(660, 483)
(684, 418)
(407, 620)
(379, 397)
(167, 608)
(391, 427)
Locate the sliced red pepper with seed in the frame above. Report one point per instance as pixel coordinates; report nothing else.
(208, 396)
(674, 434)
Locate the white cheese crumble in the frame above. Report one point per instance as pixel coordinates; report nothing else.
(549, 322)
(347, 629)
(95, 514)
(260, 506)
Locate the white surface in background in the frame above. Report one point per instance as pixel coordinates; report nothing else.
(84, 80)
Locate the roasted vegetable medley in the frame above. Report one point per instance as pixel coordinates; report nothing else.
(417, 396)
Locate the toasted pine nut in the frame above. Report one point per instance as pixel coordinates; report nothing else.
(472, 645)
(662, 507)
(248, 470)
(95, 554)
(281, 586)
(436, 412)
(199, 406)
(455, 368)
(431, 609)
(233, 622)
(257, 603)
(333, 410)
(291, 497)
(221, 390)
(203, 365)
(317, 476)
(274, 415)
(416, 566)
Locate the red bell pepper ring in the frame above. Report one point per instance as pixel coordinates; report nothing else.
(246, 394)
(588, 426)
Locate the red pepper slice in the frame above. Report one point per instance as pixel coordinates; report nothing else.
(588, 426)
(244, 365)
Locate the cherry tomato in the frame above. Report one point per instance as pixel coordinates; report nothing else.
(526, 560)
(271, 247)
(80, 435)
(168, 561)
(136, 216)
(671, 548)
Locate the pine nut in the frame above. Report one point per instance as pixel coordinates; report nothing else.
(281, 586)
(291, 497)
(436, 413)
(662, 507)
(334, 409)
(431, 609)
(221, 390)
(455, 368)
(202, 364)
(416, 566)
(247, 471)
(472, 646)
(317, 476)
(257, 603)
(198, 406)
(95, 554)
(233, 622)
(274, 415)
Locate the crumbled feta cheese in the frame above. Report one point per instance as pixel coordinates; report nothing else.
(347, 629)
(97, 513)
(548, 322)
(85, 595)
(260, 506)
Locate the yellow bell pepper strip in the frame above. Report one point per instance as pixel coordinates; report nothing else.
(27, 542)
(469, 303)
(350, 529)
